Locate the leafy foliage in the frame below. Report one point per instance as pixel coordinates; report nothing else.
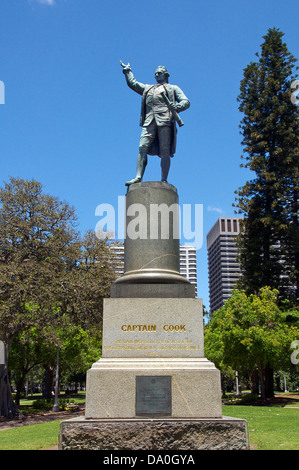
(252, 332)
(52, 281)
(269, 245)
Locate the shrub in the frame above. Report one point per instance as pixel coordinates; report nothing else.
(43, 404)
(47, 403)
(248, 399)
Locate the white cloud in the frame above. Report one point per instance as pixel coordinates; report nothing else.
(215, 209)
(44, 2)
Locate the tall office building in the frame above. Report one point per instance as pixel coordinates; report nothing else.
(188, 263)
(118, 258)
(224, 268)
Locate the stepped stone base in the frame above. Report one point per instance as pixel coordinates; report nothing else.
(154, 434)
(194, 391)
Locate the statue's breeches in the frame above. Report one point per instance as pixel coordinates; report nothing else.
(159, 136)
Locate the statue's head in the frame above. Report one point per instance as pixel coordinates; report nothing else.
(161, 74)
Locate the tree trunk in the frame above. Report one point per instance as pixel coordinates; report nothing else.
(49, 380)
(8, 408)
(223, 385)
(254, 381)
(262, 381)
(269, 382)
(20, 386)
(278, 385)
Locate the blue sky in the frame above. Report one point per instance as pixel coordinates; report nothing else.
(70, 121)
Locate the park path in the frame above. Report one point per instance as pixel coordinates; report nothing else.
(38, 418)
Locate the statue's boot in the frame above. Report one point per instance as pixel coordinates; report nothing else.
(141, 165)
(134, 180)
(165, 165)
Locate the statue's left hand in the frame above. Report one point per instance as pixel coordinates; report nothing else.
(172, 107)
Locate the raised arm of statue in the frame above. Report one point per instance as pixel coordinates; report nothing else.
(131, 81)
(126, 68)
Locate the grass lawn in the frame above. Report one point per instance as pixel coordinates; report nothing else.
(270, 428)
(35, 436)
(31, 437)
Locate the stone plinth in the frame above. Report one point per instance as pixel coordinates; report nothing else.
(154, 434)
(153, 327)
(158, 338)
(111, 387)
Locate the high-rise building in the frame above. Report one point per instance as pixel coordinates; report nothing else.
(224, 268)
(118, 258)
(188, 263)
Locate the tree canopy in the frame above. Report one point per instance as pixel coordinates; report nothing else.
(252, 332)
(269, 242)
(50, 277)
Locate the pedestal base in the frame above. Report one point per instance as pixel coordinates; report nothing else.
(155, 434)
(111, 390)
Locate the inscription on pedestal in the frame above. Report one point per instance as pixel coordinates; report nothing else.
(153, 395)
(152, 328)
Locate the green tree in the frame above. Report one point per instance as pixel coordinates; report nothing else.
(78, 349)
(268, 245)
(25, 354)
(89, 282)
(252, 333)
(214, 351)
(51, 279)
(38, 246)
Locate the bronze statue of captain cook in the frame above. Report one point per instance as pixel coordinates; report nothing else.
(160, 106)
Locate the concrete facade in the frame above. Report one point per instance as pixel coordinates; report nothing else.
(224, 268)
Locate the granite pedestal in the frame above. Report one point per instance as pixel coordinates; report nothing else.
(153, 388)
(158, 338)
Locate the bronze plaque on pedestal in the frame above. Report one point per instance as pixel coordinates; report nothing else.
(153, 395)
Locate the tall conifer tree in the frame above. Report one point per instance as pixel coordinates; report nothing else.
(269, 252)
